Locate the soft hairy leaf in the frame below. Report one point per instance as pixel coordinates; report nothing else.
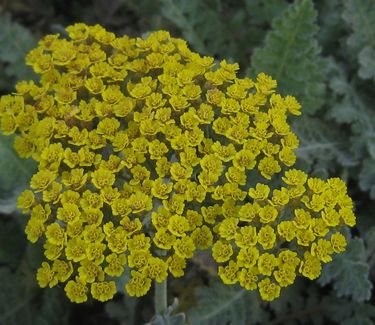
(291, 55)
(19, 302)
(366, 59)
(12, 242)
(352, 108)
(360, 16)
(219, 304)
(178, 319)
(298, 304)
(367, 177)
(121, 309)
(321, 144)
(15, 42)
(330, 23)
(15, 173)
(220, 28)
(54, 309)
(206, 33)
(344, 311)
(264, 12)
(349, 273)
(370, 246)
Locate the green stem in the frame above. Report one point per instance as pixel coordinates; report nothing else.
(160, 297)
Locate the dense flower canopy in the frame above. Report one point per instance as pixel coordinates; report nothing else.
(148, 152)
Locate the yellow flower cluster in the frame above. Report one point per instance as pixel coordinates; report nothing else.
(148, 152)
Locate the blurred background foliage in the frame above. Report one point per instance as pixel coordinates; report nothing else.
(321, 51)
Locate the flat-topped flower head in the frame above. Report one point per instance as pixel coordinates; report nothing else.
(145, 146)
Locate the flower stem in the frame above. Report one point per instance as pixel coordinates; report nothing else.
(160, 297)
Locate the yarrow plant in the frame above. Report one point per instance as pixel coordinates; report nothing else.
(148, 152)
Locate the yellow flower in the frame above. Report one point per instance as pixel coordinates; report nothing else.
(248, 278)
(41, 180)
(89, 271)
(103, 291)
(285, 275)
(289, 258)
(160, 189)
(139, 242)
(322, 249)
(228, 228)
(102, 177)
(348, 216)
(178, 225)
(331, 217)
(302, 218)
(94, 252)
(280, 197)
(176, 265)
(139, 202)
(164, 239)
(46, 276)
(260, 192)
(268, 290)
(52, 193)
(304, 237)
(184, 247)
(266, 263)
(138, 285)
(248, 257)
(63, 270)
(338, 242)
(268, 166)
(26, 200)
(248, 212)
(35, 229)
(287, 230)
(157, 269)
(116, 263)
(75, 250)
(221, 251)
(76, 290)
(143, 145)
(246, 237)
(69, 213)
(310, 266)
(228, 274)
(267, 237)
(55, 234)
(294, 177)
(202, 237)
(268, 214)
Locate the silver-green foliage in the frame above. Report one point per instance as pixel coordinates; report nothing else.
(301, 303)
(321, 146)
(360, 16)
(291, 55)
(349, 272)
(219, 304)
(22, 303)
(15, 42)
(224, 29)
(15, 174)
(198, 29)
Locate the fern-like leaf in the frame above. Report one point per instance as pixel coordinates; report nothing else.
(321, 146)
(291, 55)
(206, 33)
(15, 174)
(15, 42)
(222, 304)
(349, 273)
(22, 304)
(360, 16)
